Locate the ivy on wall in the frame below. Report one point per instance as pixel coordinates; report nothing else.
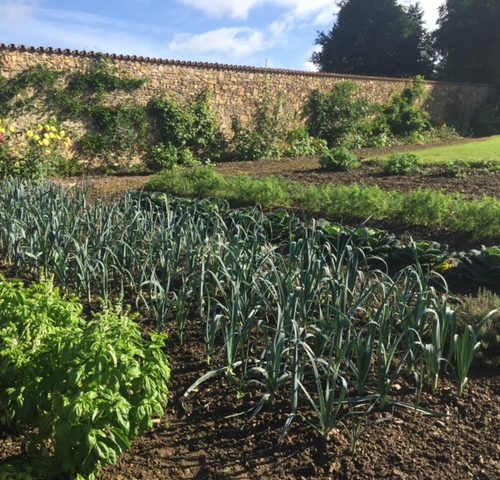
(115, 130)
(167, 131)
(39, 79)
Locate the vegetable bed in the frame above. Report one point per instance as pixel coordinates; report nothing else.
(301, 336)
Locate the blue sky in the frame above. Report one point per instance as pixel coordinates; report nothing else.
(276, 33)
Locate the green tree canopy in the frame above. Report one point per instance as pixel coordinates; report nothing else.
(376, 37)
(468, 39)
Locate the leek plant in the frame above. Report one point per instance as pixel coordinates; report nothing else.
(466, 345)
(284, 307)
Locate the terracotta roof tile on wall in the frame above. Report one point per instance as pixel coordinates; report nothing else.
(200, 65)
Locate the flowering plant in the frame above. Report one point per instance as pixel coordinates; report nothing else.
(33, 153)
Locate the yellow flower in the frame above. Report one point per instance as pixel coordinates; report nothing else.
(45, 142)
(62, 133)
(29, 134)
(2, 130)
(12, 129)
(36, 137)
(52, 128)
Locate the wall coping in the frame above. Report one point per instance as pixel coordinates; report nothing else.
(218, 66)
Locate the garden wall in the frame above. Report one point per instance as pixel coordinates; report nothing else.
(237, 90)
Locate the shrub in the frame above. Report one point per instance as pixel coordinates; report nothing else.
(84, 388)
(402, 164)
(301, 144)
(163, 156)
(340, 159)
(404, 115)
(249, 144)
(120, 130)
(207, 142)
(190, 125)
(373, 132)
(34, 154)
(336, 115)
(265, 138)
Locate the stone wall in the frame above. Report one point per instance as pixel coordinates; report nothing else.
(236, 91)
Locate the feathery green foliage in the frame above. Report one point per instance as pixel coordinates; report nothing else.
(422, 207)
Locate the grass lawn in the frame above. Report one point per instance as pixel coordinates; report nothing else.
(474, 151)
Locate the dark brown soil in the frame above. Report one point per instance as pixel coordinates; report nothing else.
(207, 442)
(214, 437)
(106, 187)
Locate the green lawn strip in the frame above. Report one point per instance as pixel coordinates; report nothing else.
(423, 208)
(474, 151)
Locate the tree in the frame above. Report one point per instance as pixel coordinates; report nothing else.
(376, 37)
(468, 39)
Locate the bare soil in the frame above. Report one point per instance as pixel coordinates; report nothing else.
(213, 436)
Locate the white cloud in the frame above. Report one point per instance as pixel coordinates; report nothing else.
(232, 42)
(321, 11)
(317, 13)
(30, 24)
(308, 65)
(240, 9)
(225, 8)
(430, 8)
(431, 11)
(16, 11)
